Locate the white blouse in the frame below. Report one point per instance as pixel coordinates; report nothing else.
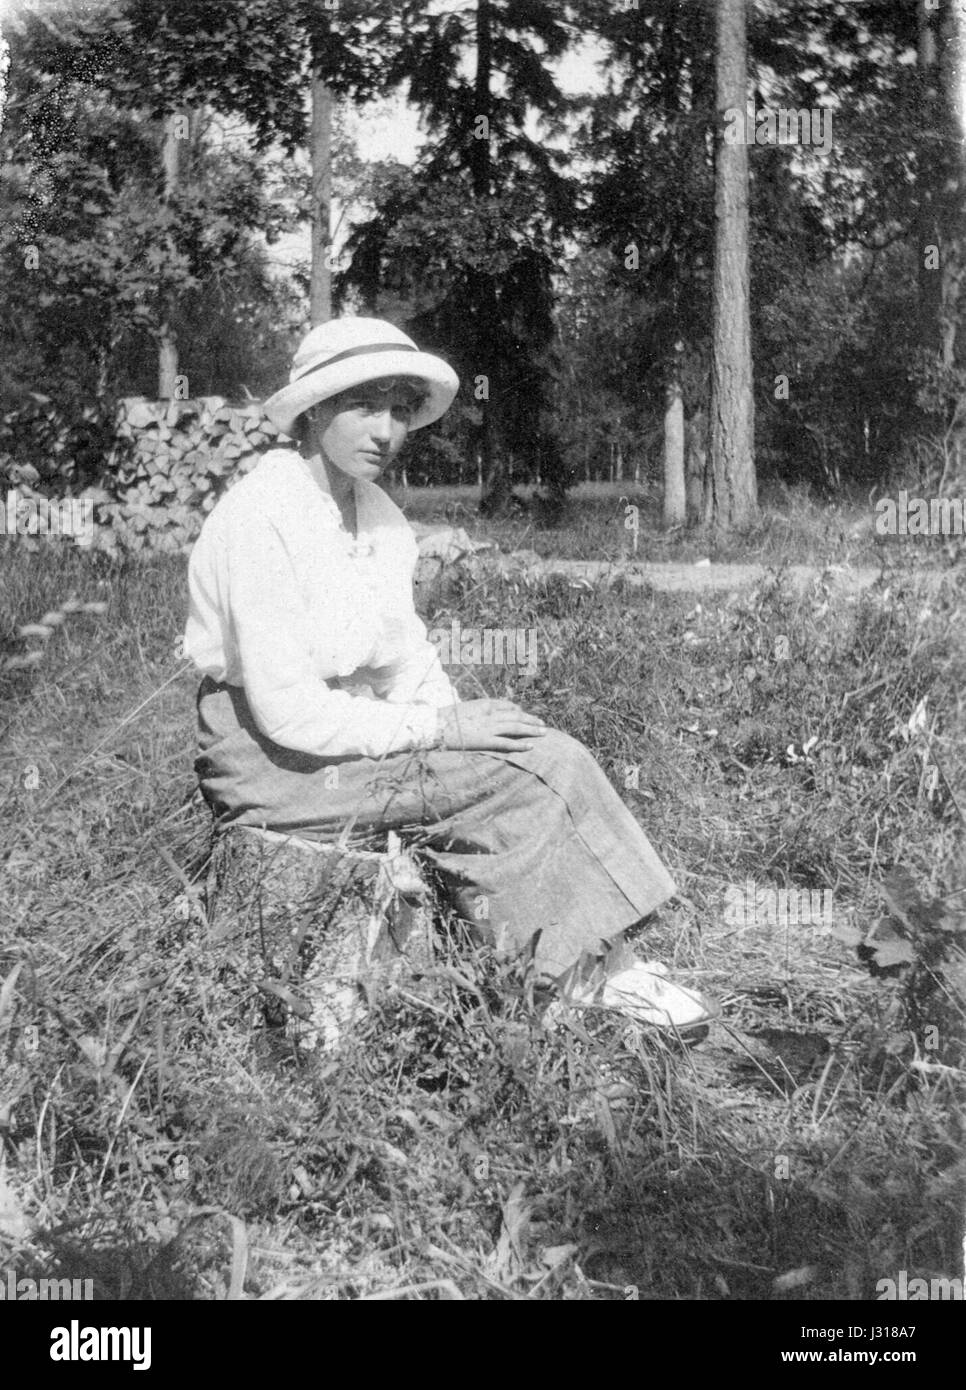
(318, 628)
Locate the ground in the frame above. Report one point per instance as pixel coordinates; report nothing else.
(155, 1142)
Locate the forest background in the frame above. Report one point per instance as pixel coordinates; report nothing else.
(557, 246)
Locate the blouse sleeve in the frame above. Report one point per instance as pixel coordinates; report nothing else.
(419, 677)
(289, 703)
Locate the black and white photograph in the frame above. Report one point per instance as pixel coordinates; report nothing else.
(483, 661)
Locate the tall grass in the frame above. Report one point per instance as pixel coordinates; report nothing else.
(155, 1141)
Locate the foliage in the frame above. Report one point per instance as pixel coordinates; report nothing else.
(836, 233)
(466, 243)
(916, 938)
(59, 443)
(92, 254)
(507, 254)
(251, 63)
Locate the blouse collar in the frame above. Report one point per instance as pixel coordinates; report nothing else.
(362, 543)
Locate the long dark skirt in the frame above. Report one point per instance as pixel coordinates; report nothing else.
(523, 842)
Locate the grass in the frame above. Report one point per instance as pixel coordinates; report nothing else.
(156, 1142)
(793, 527)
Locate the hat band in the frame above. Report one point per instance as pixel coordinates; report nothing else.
(356, 352)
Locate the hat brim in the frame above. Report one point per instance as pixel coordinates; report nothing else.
(442, 383)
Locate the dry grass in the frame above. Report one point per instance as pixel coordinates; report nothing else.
(157, 1143)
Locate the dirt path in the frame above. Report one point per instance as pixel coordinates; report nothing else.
(700, 578)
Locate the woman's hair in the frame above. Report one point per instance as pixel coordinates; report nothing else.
(300, 429)
(413, 386)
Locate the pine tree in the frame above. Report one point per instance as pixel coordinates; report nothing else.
(469, 239)
(731, 498)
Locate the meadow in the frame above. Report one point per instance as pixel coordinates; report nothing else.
(155, 1141)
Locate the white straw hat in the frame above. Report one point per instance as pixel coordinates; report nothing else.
(347, 352)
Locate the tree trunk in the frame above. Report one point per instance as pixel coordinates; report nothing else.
(674, 495)
(167, 339)
(304, 926)
(731, 493)
(927, 223)
(320, 284)
(953, 76)
(695, 466)
(496, 484)
(941, 211)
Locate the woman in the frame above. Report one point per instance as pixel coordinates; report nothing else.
(324, 704)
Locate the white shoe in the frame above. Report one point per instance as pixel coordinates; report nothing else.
(643, 992)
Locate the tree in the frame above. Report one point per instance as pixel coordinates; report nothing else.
(605, 328)
(320, 289)
(731, 498)
(674, 490)
(260, 61)
(822, 222)
(940, 234)
(167, 341)
(941, 50)
(98, 266)
(465, 245)
(162, 60)
(650, 201)
(481, 284)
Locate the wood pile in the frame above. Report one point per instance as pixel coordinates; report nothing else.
(171, 463)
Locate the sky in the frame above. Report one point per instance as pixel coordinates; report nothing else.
(391, 127)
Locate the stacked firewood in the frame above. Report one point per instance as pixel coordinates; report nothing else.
(172, 461)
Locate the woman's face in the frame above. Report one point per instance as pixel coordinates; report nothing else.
(362, 430)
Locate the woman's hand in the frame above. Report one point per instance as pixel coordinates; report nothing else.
(497, 726)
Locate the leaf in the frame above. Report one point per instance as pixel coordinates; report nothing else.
(901, 893)
(847, 932)
(6, 990)
(298, 1006)
(13, 1220)
(239, 1257)
(896, 1044)
(555, 1255)
(893, 950)
(918, 719)
(795, 1278)
(389, 1153)
(509, 1253)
